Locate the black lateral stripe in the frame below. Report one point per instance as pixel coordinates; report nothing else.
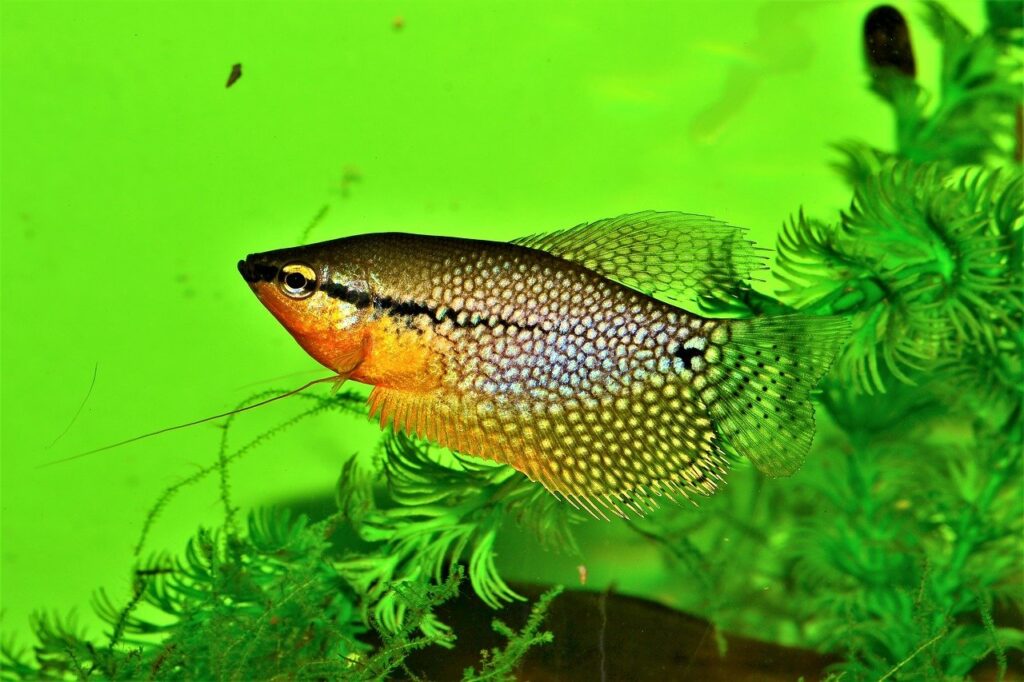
(361, 299)
(404, 309)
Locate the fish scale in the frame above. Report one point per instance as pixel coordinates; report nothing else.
(567, 356)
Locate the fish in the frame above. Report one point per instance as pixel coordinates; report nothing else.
(566, 355)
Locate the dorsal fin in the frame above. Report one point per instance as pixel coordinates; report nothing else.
(676, 257)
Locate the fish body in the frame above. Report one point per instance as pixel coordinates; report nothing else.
(563, 354)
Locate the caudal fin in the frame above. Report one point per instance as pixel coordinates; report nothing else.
(758, 385)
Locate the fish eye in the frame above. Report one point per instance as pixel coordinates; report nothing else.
(298, 280)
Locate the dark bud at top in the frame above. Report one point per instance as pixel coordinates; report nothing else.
(887, 41)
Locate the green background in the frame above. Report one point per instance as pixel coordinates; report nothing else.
(132, 181)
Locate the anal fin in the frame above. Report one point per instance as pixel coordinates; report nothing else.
(454, 423)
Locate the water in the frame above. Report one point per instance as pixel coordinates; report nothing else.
(133, 180)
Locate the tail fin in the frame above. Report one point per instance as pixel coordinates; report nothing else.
(758, 387)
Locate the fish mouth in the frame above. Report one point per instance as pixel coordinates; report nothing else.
(253, 271)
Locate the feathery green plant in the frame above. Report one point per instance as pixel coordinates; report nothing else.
(232, 607)
(439, 511)
(970, 121)
(282, 600)
(499, 664)
(902, 539)
(923, 262)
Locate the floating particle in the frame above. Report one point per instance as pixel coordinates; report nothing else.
(350, 175)
(398, 23)
(236, 73)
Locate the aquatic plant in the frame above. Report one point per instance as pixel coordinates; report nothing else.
(440, 510)
(282, 597)
(498, 664)
(971, 119)
(900, 547)
(245, 606)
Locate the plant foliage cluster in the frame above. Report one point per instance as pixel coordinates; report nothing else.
(897, 546)
(277, 597)
(900, 546)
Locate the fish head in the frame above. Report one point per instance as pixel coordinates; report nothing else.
(319, 294)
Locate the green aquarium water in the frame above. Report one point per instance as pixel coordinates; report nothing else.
(148, 146)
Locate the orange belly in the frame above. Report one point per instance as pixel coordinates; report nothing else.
(398, 357)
